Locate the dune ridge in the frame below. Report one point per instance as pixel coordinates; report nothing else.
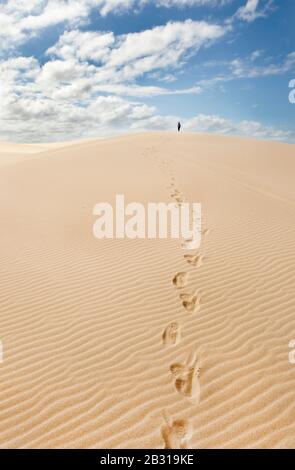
(106, 343)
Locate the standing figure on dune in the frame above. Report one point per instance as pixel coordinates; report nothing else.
(179, 127)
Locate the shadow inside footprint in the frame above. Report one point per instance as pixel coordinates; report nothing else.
(177, 433)
(195, 260)
(191, 302)
(180, 280)
(188, 385)
(187, 378)
(172, 334)
(177, 369)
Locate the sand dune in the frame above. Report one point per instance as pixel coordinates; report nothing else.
(12, 153)
(142, 344)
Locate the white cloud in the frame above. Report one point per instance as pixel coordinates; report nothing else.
(65, 97)
(242, 69)
(114, 6)
(144, 91)
(20, 20)
(65, 94)
(83, 46)
(31, 111)
(256, 55)
(251, 11)
(29, 120)
(217, 125)
(136, 53)
(249, 68)
(117, 61)
(162, 45)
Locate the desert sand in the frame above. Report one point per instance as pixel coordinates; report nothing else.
(139, 343)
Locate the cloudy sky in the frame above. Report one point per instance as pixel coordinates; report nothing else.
(87, 68)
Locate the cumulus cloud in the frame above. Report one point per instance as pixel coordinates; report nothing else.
(66, 92)
(85, 60)
(45, 120)
(21, 20)
(137, 53)
(88, 45)
(162, 46)
(94, 81)
(31, 112)
(91, 62)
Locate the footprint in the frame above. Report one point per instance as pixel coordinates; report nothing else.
(180, 280)
(180, 199)
(191, 302)
(176, 433)
(189, 385)
(186, 376)
(176, 194)
(172, 334)
(195, 260)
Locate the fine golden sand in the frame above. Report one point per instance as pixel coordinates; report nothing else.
(142, 344)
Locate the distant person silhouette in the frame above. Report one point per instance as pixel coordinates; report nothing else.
(179, 127)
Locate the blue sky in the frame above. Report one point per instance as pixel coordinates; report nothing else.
(89, 68)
